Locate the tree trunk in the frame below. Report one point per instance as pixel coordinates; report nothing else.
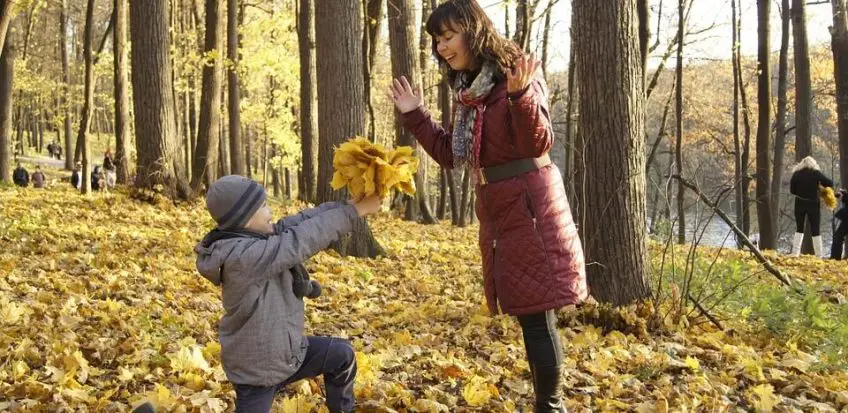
(88, 103)
(746, 141)
(803, 86)
(7, 74)
(644, 11)
(612, 108)
(159, 165)
(234, 19)
(288, 181)
(338, 28)
(839, 45)
(206, 155)
(122, 93)
(402, 39)
(780, 122)
(308, 117)
(678, 147)
(546, 37)
(524, 23)
(443, 192)
(763, 176)
(739, 166)
(571, 132)
(66, 75)
(5, 20)
(466, 198)
(373, 17)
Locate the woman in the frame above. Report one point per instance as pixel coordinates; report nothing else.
(532, 256)
(806, 178)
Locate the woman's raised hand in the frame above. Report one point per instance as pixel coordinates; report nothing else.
(519, 77)
(402, 95)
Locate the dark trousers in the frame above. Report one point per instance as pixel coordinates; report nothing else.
(544, 354)
(838, 239)
(331, 356)
(811, 211)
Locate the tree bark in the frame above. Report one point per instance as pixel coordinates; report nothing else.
(338, 28)
(234, 19)
(66, 75)
(373, 17)
(206, 154)
(402, 39)
(678, 147)
(839, 45)
(803, 86)
(5, 19)
(88, 103)
(308, 117)
(122, 92)
(7, 75)
(763, 175)
(159, 165)
(739, 166)
(612, 107)
(780, 122)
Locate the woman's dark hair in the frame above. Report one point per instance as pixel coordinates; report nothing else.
(468, 18)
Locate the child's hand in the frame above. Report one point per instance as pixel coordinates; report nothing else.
(368, 205)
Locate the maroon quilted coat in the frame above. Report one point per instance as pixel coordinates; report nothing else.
(532, 256)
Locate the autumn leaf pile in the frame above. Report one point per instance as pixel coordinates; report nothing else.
(367, 168)
(101, 308)
(828, 196)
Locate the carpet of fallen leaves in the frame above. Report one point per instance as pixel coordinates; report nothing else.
(101, 308)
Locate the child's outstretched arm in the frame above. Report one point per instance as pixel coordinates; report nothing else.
(301, 216)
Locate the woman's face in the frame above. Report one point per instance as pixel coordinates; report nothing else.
(453, 47)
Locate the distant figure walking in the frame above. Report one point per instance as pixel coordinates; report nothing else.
(806, 178)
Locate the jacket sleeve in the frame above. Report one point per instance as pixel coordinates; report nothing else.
(530, 119)
(301, 216)
(297, 243)
(433, 137)
(793, 185)
(825, 181)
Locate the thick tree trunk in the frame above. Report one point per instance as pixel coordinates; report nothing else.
(5, 19)
(373, 17)
(234, 19)
(803, 86)
(678, 146)
(780, 122)
(839, 45)
(402, 39)
(88, 102)
(159, 165)
(122, 93)
(612, 107)
(206, 155)
(763, 176)
(308, 115)
(7, 74)
(338, 28)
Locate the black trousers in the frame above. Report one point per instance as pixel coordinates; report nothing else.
(838, 240)
(544, 353)
(811, 211)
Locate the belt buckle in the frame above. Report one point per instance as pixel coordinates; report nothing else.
(480, 177)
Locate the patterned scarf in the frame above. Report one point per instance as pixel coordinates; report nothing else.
(468, 127)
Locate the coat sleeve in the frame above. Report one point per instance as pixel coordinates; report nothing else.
(297, 243)
(301, 216)
(825, 181)
(793, 185)
(433, 137)
(530, 119)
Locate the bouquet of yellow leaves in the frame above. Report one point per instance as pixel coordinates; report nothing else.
(827, 195)
(368, 169)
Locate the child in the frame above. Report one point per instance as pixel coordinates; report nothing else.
(262, 343)
(38, 178)
(842, 229)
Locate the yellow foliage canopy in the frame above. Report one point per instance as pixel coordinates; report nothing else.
(368, 169)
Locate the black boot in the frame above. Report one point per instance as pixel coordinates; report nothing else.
(547, 382)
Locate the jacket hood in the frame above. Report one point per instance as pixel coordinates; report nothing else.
(214, 249)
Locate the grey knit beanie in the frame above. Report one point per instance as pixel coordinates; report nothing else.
(233, 199)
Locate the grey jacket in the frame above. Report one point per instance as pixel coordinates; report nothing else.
(261, 332)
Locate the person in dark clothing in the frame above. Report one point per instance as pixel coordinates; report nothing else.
(806, 178)
(76, 176)
(97, 181)
(836, 248)
(21, 177)
(58, 149)
(50, 150)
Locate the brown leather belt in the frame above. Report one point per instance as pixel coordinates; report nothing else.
(511, 169)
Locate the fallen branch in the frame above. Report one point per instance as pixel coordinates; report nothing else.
(739, 234)
(705, 313)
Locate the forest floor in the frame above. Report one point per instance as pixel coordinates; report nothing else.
(101, 308)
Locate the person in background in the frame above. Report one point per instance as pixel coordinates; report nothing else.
(76, 176)
(806, 178)
(38, 178)
(21, 177)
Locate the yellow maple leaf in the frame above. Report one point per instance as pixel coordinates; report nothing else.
(368, 169)
(476, 392)
(188, 359)
(765, 399)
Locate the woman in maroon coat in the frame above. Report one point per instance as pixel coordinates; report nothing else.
(532, 256)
